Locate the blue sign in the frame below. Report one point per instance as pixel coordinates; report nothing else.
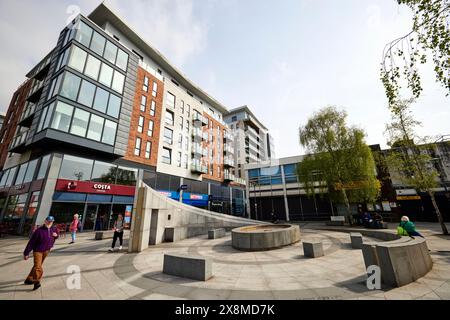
(183, 187)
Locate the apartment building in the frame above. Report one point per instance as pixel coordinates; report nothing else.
(252, 141)
(101, 107)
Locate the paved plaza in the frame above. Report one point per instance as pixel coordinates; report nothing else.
(276, 274)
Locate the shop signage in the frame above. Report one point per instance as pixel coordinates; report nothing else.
(19, 187)
(102, 187)
(93, 187)
(196, 197)
(408, 198)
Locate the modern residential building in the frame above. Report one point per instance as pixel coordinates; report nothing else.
(100, 106)
(252, 141)
(2, 119)
(273, 186)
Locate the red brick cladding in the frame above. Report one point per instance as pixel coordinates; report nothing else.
(206, 160)
(154, 139)
(13, 114)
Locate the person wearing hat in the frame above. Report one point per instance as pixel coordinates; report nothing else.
(40, 243)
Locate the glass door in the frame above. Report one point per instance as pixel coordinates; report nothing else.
(90, 217)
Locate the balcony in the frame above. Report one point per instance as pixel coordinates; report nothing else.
(198, 120)
(240, 181)
(228, 176)
(228, 149)
(250, 131)
(228, 162)
(36, 90)
(197, 134)
(228, 137)
(198, 150)
(198, 168)
(18, 142)
(26, 118)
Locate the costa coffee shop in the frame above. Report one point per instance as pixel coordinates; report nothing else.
(62, 185)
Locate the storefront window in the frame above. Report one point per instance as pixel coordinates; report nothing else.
(104, 172)
(31, 213)
(74, 168)
(15, 211)
(11, 174)
(64, 211)
(30, 171)
(126, 176)
(21, 174)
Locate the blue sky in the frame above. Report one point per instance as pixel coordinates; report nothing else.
(285, 59)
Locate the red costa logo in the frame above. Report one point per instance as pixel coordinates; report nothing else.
(102, 187)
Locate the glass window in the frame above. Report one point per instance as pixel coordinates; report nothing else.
(114, 106)
(104, 172)
(62, 116)
(55, 86)
(80, 122)
(118, 81)
(154, 89)
(77, 59)
(12, 172)
(106, 75)
(141, 124)
(169, 117)
(87, 92)
(152, 108)
(188, 110)
(98, 43)
(4, 178)
(170, 100)
(122, 60)
(185, 162)
(63, 59)
(95, 128)
(179, 159)
(168, 135)
(92, 67)
(84, 34)
(74, 168)
(43, 168)
(145, 85)
(137, 148)
(109, 133)
(181, 123)
(143, 103)
(110, 52)
(167, 156)
(180, 141)
(70, 86)
(182, 106)
(150, 128)
(101, 100)
(148, 149)
(49, 116)
(21, 173)
(30, 171)
(126, 176)
(42, 119)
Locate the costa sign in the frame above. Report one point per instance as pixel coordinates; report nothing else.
(101, 186)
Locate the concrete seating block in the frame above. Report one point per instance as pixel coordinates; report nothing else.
(188, 266)
(216, 233)
(313, 249)
(336, 221)
(99, 235)
(357, 240)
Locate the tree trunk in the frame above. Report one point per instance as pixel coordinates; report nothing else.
(347, 206)
(438, 213)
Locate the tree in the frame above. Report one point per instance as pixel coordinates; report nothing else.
(411, 161)
(430, 34)
(338, 159)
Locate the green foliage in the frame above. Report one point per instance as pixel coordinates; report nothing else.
(338, 160)
(430, 36)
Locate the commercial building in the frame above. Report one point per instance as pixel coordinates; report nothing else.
(252, 141)
(100, 106)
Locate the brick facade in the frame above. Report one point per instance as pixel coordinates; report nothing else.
(154, 139)
(215, 175)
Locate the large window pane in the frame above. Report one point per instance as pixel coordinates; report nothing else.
(101, 100)
(4, 177)
(118, 81)
(77, 59)
(21, 174)
(114, 105)
(110, 52)
(104, 172)
(74, 168)
(42, 119)
(12, 172)
(49, 116)
(126, 176)
(62, 117)
(95, 128)
(106, 75)
(54, 90)
(30, 171)
(84, 34)
(98, 43)
(87, 92)
(109, 133)
(70, 86)
(122, 60)
(92, 67)
(43, 167)
(80, 122)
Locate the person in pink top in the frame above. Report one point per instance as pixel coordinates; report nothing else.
(74, 226)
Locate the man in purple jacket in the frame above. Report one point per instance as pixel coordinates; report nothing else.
(40, 243)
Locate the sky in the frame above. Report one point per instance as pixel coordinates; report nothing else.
(284, 59)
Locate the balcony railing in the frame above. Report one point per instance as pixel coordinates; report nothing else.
(197, 134)
(198, 168)
(228, 137)
(228, 149)
(229, 162)
(198, 119)
(228, 176)
(198, 150)
(19, 139)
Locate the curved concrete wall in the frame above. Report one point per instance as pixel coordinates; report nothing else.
(157, 219)
(257, 239)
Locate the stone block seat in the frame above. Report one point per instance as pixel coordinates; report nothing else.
(336, 221)
(188, 266)
(216, 233)
(356, 239)
(313, 249)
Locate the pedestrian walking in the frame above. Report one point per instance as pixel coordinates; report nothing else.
(407, 228)
(118, 232)
(40, 243)
(74, 226)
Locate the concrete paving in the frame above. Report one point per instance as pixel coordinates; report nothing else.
(276, 274)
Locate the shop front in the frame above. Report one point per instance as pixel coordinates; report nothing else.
(97, 204)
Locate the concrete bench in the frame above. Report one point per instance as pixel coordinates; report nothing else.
(356, 239)
(336, 221)
(188, 266)
(216, 233)
(107, 234)
(401, 261)
(313, 249)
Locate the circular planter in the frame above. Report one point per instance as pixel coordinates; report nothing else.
(264, 237)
